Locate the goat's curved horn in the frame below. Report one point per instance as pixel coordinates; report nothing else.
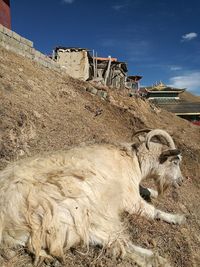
(141, 131)
(164, 134)
(167, 153)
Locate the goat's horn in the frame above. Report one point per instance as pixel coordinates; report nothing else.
(167, 153)
(141, 131)
(158, 132)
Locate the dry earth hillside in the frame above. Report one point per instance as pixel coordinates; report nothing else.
(41, 110)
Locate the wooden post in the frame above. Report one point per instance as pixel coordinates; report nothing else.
(107, 71)
(94, 68)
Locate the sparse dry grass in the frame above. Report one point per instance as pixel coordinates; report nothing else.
(41, 110)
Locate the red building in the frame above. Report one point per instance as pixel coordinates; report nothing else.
(5, 13)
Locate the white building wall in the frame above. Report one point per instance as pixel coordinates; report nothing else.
(75, 63)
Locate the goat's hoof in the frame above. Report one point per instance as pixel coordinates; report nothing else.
(180, 219)
(148, 261)
(161, 262)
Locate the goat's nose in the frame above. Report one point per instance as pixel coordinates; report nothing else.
(180, 180)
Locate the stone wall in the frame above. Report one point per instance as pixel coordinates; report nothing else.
(24, 47)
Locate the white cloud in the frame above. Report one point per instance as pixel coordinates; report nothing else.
(68, 1)
(191, 81)
(189, 36)
(175, 68)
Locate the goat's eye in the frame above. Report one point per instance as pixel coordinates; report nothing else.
(176, 162)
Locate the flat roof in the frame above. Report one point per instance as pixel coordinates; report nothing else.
(106, 58)
(135, 77)
(181, 108)
(70, 48)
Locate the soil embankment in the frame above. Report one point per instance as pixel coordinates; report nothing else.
(41, 110)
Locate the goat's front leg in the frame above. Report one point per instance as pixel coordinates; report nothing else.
(147, 193)
(144, 257)
(150, 211)
(153, 193)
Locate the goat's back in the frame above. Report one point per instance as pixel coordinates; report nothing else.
(54, 201)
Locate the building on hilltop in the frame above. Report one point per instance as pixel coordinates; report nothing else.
(133, 83)
(78, 63)
(161, 93)
(109, 72)
(5, 18)
(75, 61)
(169, 99)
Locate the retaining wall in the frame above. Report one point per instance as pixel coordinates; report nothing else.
(24, 47)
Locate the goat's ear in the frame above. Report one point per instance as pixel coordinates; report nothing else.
(135, 146)
(141, 138)
(168, 153)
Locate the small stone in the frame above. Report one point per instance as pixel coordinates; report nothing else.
(37, 114)
(94, 91)
(104, 95)
(21, 153)
(89, 88)
(99, 92)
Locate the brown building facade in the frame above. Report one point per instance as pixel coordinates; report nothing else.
(5, 19)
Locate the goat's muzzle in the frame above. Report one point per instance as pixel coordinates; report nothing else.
(178, 182)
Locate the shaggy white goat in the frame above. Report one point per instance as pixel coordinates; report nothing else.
(51, 203)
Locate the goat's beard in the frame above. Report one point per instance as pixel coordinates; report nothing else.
(162, 185)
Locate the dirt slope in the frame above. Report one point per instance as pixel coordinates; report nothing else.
(42, 110)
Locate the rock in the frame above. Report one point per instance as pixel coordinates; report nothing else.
(37, 114)
(89, 88)
(94, 91)
(104, 95)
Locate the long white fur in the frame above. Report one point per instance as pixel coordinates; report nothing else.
(51, 203)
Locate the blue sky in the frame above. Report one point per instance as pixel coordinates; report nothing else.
(159, 39)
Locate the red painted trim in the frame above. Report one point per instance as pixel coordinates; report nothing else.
(5, 19)
(196, 123)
